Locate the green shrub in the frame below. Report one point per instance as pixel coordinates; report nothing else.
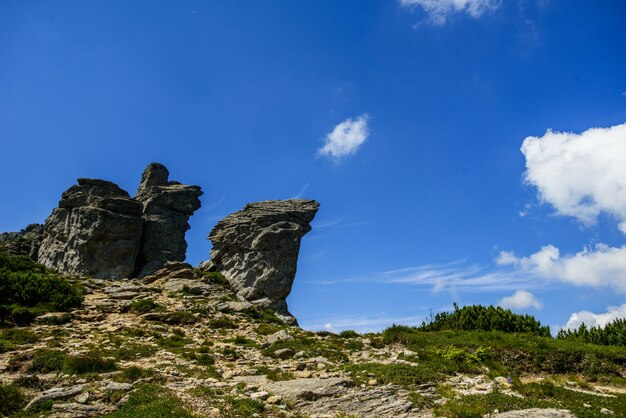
(215, 277)
(28, 289)
(222, 323)
(151, 400)
(47, 361)
(11, 400)
(614, 333)
(92, 362)
(349, 334)
(485, 318)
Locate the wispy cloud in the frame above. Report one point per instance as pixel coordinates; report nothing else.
(359, 323)
(346, 138)
(458, 275)
(301, 192)
(440, 10)
(212, 205)
(455, 276)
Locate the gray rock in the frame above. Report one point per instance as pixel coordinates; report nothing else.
(284, 353)
(78, 410)
(117, 386)
(99, 231)
(56, 393)
(167, 206)
(95, 231)
(278, 336)
(25, 242)
(257, 249)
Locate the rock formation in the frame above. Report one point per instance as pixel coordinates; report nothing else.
(257, 249)
(167, 207)
(98, 230)
(95, 231)
(25, 242)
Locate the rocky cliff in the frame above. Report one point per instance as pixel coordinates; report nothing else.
(257, 249)
(98, 230)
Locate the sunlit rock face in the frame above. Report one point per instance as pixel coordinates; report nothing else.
(98, 230)
(257, 249)
(167, 206)
(95, 231)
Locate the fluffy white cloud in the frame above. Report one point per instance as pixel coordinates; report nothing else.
(521, 299)
(591, 319)
(439, 10)
(581, 175)
(599, 266)
(346, 138)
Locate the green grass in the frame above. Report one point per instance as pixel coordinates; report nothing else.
(12, 337)
(397, 374)
(151, 400)
(332, 347)
(46, 361)
(509, 353)
(275, 374)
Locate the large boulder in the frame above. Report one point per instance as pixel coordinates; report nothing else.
(98, 230)
(95, 231)
(257, 249)
(167, 206)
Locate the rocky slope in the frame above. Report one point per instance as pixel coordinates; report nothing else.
(183, 338)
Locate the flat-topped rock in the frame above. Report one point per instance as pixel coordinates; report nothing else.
(257, 249)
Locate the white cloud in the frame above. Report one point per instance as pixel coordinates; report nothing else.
(600, 266)
(580, 175)
(521, 299)
(440, 10)
(591, 319)
(346, 138)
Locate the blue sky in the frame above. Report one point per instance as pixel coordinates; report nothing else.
(405, 119)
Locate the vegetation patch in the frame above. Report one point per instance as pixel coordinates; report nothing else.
(10, 338)
(143, 306)
(28, 289)
(151, 400)
(275, 374)
(11, 400)
(397, 374)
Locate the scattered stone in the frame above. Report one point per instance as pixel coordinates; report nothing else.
(82, 398)
(274, 400)
(284, 353)
(117, 386)
(372, 382)
(77, 410)
(257, 249)
(606, 411)
(278, 336)
(262, 395)
(56, 393)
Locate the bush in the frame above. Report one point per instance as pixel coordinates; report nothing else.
(143, 306)
(614, 333)
(11, 400)
(89, 363)
(485, 318)
(28, 289)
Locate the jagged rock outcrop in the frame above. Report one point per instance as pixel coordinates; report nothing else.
(257, 249)
(25, 242)
(95, 231)
(98, 230)
(167, 206)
